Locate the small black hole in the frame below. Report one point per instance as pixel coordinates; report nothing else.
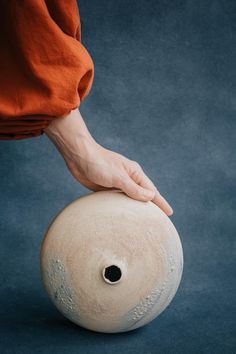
(113, 273)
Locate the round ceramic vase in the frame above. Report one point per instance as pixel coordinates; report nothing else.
(110, 263)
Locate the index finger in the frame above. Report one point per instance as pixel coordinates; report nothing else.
(161, 202)
(144, 181)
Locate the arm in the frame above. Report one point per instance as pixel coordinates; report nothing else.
(45, 74)
(98, 168)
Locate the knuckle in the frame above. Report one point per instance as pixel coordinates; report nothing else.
(136, 165)
(118, 181)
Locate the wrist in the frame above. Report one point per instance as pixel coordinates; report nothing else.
(70, 135)
(69, 126)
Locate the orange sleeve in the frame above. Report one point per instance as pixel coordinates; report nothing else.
(45, 71)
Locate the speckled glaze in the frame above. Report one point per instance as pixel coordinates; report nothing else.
(103, 229)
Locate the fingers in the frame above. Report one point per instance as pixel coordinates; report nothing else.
(137, 174)
(133, 190)
(142, 179)
(160, 201)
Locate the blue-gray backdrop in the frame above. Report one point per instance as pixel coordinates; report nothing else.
(164, 94)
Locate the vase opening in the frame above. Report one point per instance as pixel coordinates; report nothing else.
(112, 274)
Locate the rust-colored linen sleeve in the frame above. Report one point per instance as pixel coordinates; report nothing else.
(45, 71)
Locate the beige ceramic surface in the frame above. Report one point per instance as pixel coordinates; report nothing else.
(103, 229)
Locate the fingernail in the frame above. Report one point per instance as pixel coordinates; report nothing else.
(170, 212)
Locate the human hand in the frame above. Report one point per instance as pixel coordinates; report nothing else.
(98, 168)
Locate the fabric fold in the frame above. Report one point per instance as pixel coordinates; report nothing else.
(45, 70)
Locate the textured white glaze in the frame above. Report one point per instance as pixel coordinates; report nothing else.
(109, 228)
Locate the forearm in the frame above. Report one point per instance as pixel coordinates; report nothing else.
(71, 125)
(70, 134)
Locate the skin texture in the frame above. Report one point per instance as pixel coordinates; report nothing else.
(101, 230)
(98, 168)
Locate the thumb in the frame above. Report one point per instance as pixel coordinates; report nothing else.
(135, 191)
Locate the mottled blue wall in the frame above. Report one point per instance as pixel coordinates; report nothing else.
(164, 94)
